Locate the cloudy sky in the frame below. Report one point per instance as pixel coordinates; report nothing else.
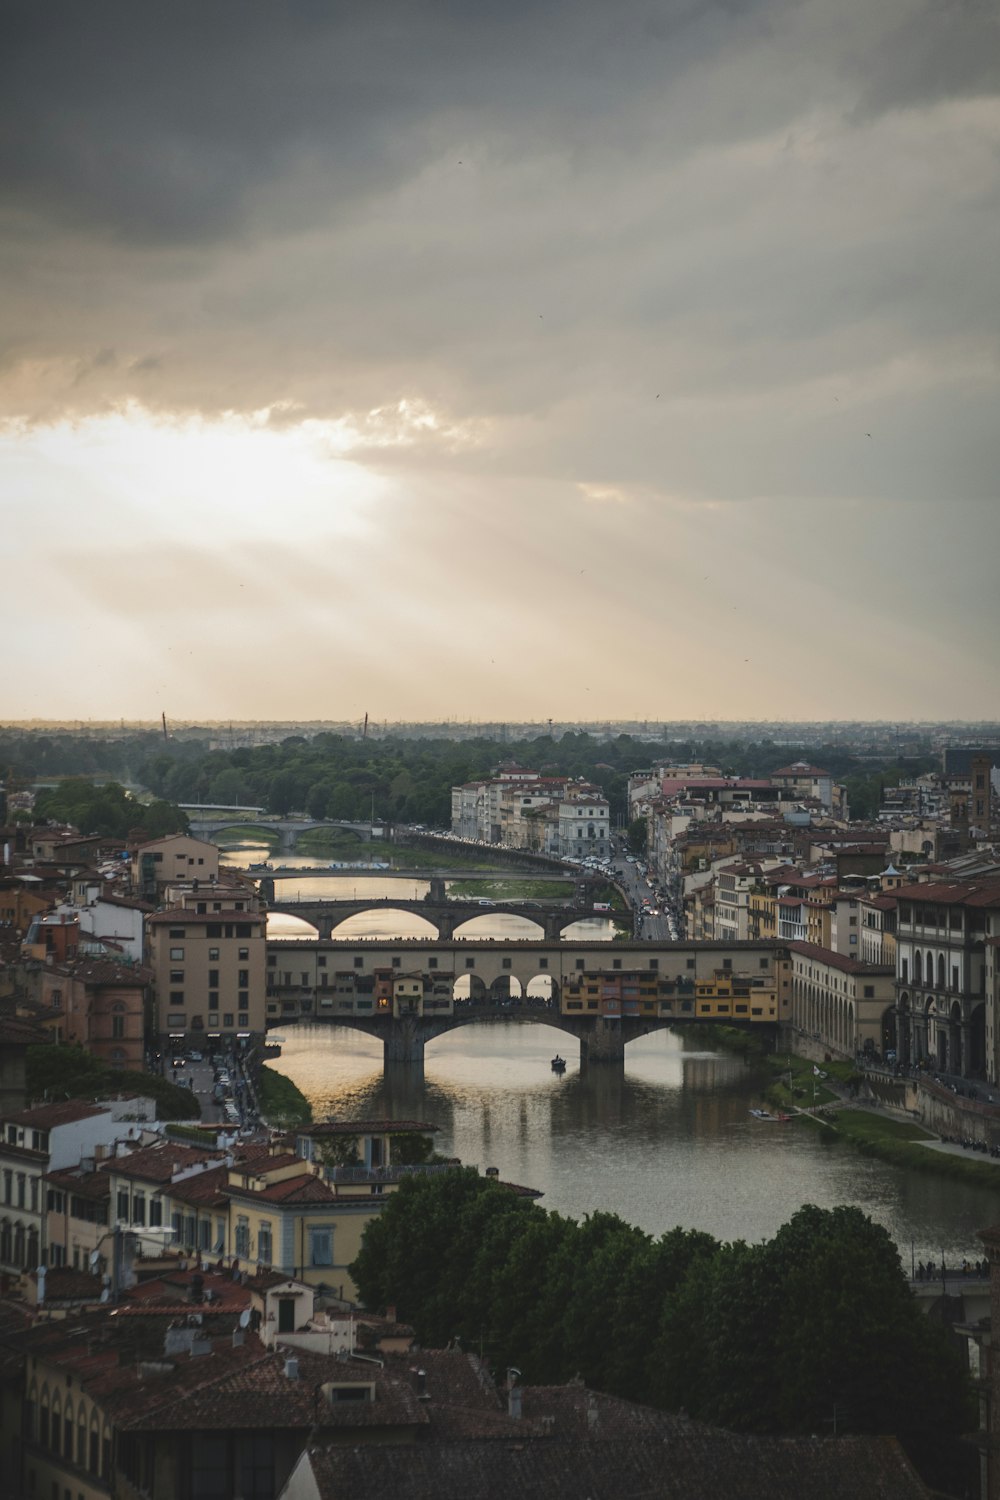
(500, 359)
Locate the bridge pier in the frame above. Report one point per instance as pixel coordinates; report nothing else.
(603, 1043)
(404, 1042)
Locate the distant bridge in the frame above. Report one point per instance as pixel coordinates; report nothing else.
(447, 915)
(287, 829)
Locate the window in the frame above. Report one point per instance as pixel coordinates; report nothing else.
(358, 962)
(176, 997)
(243, 978)
(242, 1239)
(213, 979)
(227, 1018)
(264, 1252)
(213, 955)
(122, 1200)
(155, 1213)
(244, 954)
(177, 955)
(213, 929)
(869, 992)
(117, 1027)
(176, 932)
(320, 1247)
(690, 963)
(243, 1018)
(470, 963)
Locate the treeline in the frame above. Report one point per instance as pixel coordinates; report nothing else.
(815, 1326)
(410, 780)
(67, 1072)
(107, 810)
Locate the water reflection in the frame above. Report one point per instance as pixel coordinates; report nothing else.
(666, 1141)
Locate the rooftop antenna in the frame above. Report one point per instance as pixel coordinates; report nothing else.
(364, 730)
(163, 719)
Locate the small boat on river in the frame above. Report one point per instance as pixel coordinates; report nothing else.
(262, 866)
(558, 1064)
(766, 1115)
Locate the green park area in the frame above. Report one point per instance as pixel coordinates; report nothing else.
(281, 1102)
(514, 889)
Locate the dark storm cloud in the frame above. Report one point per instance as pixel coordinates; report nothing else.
(945, 49)
(162, 122)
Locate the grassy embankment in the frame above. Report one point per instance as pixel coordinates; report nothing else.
(870, 1132)
(281, 1102)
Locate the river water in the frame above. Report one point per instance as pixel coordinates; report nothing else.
(668, 1141)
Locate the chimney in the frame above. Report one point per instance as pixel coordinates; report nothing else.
(390, 1312)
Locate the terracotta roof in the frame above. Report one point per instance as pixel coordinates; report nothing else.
(180, 917)
(686, 1466)
(951, 893)
(105, 972)
(305, 1189)
(17, 1033)
(255, 1392)
(840, 960)
(64, 1284)
(84, 1182)
(158, 1163)
(48, 1116)
(203, 1189)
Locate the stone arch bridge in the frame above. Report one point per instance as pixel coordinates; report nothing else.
(603, 994)
(287, 829)
(446, 916)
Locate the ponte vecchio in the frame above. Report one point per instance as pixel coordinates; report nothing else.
(606, 994)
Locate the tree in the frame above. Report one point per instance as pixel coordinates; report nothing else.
(638, 832)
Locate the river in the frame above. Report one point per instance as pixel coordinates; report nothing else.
(668, 1141)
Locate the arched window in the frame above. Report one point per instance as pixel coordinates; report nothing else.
(81, 1438)
(19, 1245)
(940, 967)
(94, 1456)
(43, 1418)
(917, 968)
(55, 1428)
(6, 1242)
(67, 1446)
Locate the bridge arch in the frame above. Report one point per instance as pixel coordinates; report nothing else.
(284, 925)
(363, 923)
(472, 927)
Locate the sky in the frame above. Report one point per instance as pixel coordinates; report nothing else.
(544, 358)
